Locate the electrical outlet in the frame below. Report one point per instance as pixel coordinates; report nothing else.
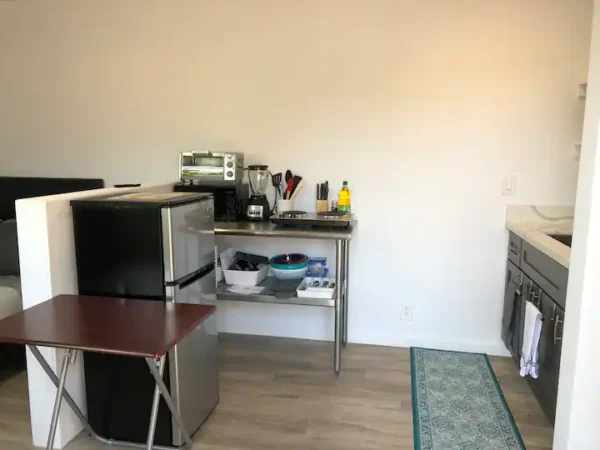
(406, 313)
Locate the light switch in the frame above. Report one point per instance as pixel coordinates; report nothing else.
(509, 185)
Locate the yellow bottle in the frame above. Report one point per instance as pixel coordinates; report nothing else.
(344, 204)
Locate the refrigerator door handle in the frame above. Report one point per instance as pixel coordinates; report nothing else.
(198, 288)
(193, 277)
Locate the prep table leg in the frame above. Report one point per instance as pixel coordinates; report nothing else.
(57, 402)
(345, 287)
(338, 307)
(65, 394)
(165, 393)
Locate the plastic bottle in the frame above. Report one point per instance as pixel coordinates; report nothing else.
(344, 204)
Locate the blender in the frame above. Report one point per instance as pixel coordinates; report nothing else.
(258, 206)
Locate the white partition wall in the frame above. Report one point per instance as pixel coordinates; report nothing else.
(48, 268)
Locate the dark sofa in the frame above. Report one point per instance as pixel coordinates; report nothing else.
(14, 188)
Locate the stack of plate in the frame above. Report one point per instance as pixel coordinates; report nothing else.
(289, 266)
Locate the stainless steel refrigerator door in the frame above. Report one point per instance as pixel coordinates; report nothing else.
(188, 233)
(194, 362)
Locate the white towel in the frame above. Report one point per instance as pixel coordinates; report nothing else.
(531, 339)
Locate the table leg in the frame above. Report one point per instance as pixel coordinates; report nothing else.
(337, 357)
(346, 286)
(36, 353)
(155, 403)
(165, 393)
(59, 394)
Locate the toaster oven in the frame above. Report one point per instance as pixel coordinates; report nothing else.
(208, 167)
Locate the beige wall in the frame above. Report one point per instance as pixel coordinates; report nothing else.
(422, 106)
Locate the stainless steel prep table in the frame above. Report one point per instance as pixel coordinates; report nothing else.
(342, 246)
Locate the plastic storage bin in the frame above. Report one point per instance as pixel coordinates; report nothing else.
(308, 289)
(242, 278)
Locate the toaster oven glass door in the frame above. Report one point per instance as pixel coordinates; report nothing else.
(199, 165)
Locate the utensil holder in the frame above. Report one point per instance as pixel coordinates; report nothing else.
(284, 205)
(322, 206)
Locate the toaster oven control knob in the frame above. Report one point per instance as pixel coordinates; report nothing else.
(229, 174)
(230, 164)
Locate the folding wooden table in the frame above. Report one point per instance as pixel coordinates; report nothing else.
(139, 328)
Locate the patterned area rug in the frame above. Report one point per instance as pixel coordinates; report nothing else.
(458, 404)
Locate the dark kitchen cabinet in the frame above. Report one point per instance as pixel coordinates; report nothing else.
(518, 290)
(545, 387)
(545, 272)
(514, 309)
(515, 244)
(521, 287)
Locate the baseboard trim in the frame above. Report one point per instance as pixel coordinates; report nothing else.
(493, 348)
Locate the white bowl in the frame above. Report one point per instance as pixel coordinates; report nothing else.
(293, 274)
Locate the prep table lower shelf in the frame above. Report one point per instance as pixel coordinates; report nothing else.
(268, 297)
(339, 303)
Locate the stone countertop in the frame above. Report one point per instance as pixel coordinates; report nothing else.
(534, 224)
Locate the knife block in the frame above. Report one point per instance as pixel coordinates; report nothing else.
(322, 206)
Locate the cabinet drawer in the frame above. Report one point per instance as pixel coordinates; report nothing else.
(514, 248)
(548, 274)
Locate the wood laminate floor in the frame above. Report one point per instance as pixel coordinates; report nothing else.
(282, 394)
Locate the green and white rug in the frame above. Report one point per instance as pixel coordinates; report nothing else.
(458, 404)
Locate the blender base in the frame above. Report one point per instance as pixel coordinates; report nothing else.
(258, 208)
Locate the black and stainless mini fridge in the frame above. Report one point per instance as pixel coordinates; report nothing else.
(158, 247)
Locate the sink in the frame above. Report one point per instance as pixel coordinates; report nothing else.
(563, 238)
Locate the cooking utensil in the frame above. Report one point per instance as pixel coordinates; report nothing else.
(298, 188)
(297, 179)
(276, 180)
(288, 176)
(290, 187)
(323, 191)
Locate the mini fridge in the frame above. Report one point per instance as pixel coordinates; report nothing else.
(158, 247)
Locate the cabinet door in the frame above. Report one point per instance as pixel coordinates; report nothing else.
(545, 387)
(527, 289)
(511, 314)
